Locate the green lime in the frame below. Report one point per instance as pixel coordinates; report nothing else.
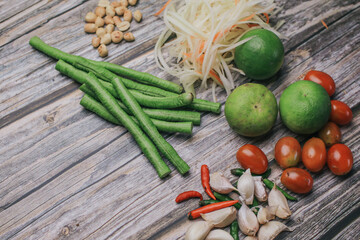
(251, 110)
(305, 107)
(261, 57)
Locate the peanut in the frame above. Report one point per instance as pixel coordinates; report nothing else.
(132, 2)
(137, 15)
(116, 36)
(95, 42)
(108, 20)
(109, 28)
(110, 11)
(100, 11)
(99, 22)
(90, 17)
(103, 3)
(129, 37)
(106, 39)
(117, 20)
(120, 10)
(124, 3)
(100, 32)
(103, 52)
(127, 15)
(115, 4)
(90, 28)
(123, 26)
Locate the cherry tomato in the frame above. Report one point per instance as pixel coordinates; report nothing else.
(323, 79)
(340, 159)
(250, 156)
(287, 152)
(297, 180)
(340, 113)
(314, 154)
(330, 134)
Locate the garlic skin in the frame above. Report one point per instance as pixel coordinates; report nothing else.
(277, 199)
(220, 183)
(266, 214)
(250, 238)
(271, 229)
(221, 218)
(247, 221)
(198, 230)
(219, 234)
(246, 187)
(260, 190)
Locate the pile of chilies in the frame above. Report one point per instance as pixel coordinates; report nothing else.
(221, 210)
(144, 107)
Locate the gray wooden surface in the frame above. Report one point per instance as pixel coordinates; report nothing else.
(67, 174)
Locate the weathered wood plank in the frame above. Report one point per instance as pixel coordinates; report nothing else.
(78, 179)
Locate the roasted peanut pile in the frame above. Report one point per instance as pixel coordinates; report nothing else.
(106, 18)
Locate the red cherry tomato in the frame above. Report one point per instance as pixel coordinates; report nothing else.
(250, 156)
(314, 154)
(340, 159)
(340, 113)
(323, 79)
(330, 134)
(297, 180)
(287, 152)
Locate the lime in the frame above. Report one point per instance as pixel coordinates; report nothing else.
(261, 57)
(305, 107)
(251, 110)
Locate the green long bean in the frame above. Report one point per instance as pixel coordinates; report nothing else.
(93, 105)
(55, 53)
(234, 230)
(145, 144)
(148, 127)
(197, 104)
(160, 114)
(140, 76)
(270, 185)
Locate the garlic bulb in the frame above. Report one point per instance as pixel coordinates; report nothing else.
(220, 183)
(250, 238)
(260, 191)
(277, 199)
(266, 214)
(271, 229)
(247, 221)
(219, 234)
(198, 230)
(220, 218)
(246, 187)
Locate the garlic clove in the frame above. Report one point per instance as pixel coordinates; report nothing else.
(221, 218)
(277, 199)
(246, 187)
(259, 189)
(271, 229)
(247, 221)
(250, 238)
(198, 230)
(266, 214)
(219, 234)
(220, 183)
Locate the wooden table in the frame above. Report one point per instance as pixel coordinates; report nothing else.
(67, 174)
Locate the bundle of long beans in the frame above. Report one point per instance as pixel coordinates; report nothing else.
(142, 103)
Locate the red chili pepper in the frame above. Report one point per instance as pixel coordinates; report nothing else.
(205, 180)
(186, 195)
(210, 208)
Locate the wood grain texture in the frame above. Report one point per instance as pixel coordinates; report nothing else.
(66, 174)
